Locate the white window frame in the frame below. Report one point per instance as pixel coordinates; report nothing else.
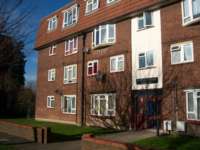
(52, 50)
(117, 60)
(92, 107)
(195, 96)
(52, 24)
(92, 65)
(51, 74)
(146, 64)
(143, 17)
(111, 1)
(91, 2)
(49, 101)
(191, 15)
(181, 45)
(69, 69)
(109, 40)
(74, 50)
(75, 15)
(62, 104)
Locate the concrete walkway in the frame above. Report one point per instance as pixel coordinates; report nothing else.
(129, 136)
(21, 144)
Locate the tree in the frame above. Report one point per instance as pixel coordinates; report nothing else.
(12, 58)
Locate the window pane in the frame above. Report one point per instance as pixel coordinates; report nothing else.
(120, 63)
(141, 61)
(150, 61)
(69, 17)
(97, 37)
(73, 102)
(140, 22)
(148, 17)
(111, 102)
(190, 102)
(187, 52)
(69, 105)
(186, 8)
(198, 108)
(95, 67)
(113, 64)
(103, 107)
(111, 32)
(176, 56)
(103, 34)
(196, 8)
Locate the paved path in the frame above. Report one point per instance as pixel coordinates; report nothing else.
(129, 136)
(21, 144)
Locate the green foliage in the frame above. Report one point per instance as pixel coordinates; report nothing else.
(173, 142)
(5, 147)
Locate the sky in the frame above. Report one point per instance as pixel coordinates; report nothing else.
(39, 9)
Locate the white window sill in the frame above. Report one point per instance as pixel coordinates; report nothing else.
(186, 62)
(69, 26)
(91, 12)
(146, 68)
(191, 22)
(103, 45)
(75, 52)
(68, 113)
(118, 71)
(50, 107)
(69, 83)
(51, 80)
(112, 3)
(145, 28)
(91, 75)
(52, 54)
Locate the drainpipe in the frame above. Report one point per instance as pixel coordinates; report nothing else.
(82, 97)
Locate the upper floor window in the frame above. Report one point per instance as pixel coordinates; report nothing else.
(70, 74)
(52, 50)
(92, 67)
(103, 35)
(71, 46)
(70, 16)
(50, 101)
(52, 23)
(92, 5)
(191, 11)
(146, 59)
(103, 104)
(111, 1)
(52, 75)
(145, 20)
(117, 63)
(68, 104)
(193, 104)
(182, 53)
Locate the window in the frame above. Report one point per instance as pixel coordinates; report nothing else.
(71, 46)
(52, 75)
(111, 1)
(92, 5)
(70, 16)
(145, 20)
(50, 101)
(191, 11)
(104, 34)
(193, 104)
(68, 104)
(146, 59)
(103, 104)
(52, 23)
(182, 53)
(70, 74)
(92, 67)
(52, 50)
(117, 63)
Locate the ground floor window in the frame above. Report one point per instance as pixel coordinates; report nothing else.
(193, 104)
(103, 104)
(50, 101)
(68, 104)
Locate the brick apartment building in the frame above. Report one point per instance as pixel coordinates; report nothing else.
(120, 63)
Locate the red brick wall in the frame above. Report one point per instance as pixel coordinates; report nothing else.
(104, 14)
(187, 75)
(45, 88)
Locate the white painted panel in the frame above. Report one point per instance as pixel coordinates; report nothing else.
(145, 40)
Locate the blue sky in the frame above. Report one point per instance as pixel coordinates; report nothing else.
(40, 9)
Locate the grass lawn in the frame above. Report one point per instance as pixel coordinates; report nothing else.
(173, 142)
(65, 130)
(5, 147)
